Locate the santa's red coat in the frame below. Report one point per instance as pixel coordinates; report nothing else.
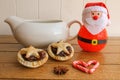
(84, 33)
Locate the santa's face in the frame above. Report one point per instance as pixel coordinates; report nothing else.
(95, 21)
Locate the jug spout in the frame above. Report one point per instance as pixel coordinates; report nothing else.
(14, 21)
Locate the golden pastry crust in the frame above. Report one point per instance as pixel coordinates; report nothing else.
(60, 51)
(31, 57)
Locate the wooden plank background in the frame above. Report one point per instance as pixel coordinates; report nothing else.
(66, 10)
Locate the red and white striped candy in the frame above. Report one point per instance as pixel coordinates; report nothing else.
(81, 65)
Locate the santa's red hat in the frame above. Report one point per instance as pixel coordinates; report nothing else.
(96, 6)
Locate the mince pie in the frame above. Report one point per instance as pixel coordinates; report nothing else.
(32, 57)
(60, 51)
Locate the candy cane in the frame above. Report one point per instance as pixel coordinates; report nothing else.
(81, 65)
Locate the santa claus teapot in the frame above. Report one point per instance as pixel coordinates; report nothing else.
(92, 36)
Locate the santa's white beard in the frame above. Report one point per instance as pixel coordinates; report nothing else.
(96, 26)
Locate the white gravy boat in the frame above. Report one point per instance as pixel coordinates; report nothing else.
(38, 33)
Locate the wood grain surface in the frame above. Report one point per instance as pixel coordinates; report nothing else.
(109, 59)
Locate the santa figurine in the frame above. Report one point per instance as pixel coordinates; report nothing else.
(92, 36)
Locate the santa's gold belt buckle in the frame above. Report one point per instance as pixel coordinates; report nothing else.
(94, 42)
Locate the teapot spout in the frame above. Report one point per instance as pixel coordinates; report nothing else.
(13, 22)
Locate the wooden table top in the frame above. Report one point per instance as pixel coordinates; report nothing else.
(109, 59)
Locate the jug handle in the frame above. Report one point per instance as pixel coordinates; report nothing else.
(69, 25)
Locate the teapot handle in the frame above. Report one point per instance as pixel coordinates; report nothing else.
(69, 25)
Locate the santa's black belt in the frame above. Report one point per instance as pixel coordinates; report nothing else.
(93, 41)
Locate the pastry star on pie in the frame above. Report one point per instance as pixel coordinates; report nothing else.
(60, 51)
(32, 57)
